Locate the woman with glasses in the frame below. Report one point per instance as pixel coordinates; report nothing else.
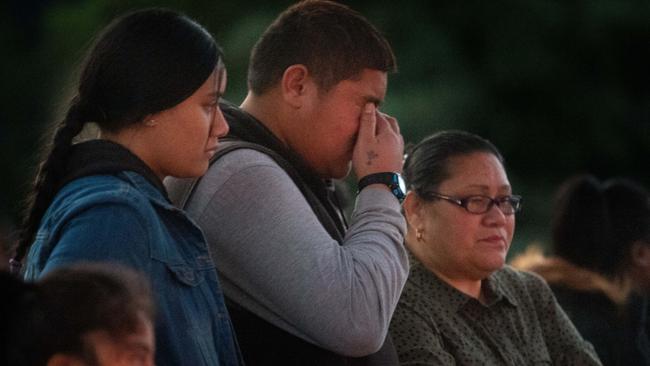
(462, 304)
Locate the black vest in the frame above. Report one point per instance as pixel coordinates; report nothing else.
(261, 342)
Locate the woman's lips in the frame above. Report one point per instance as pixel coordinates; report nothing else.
(496, 241)
(494, 238)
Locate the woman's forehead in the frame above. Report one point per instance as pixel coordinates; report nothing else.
(478, 170)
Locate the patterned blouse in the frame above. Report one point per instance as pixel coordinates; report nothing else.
(520, 323)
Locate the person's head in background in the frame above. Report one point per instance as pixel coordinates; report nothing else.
(5, 242)
(85, 315)
(310, 75)
(604, 227)
(151, 83)
(460, 208)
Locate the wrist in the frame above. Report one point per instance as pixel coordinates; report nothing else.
(390, 180)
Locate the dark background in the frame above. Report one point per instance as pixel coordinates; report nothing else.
(560, 86)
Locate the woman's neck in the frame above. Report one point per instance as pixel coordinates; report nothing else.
(458, 280)
(135, 140)
(469, 287)
(462, 281)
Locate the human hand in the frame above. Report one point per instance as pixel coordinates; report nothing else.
(379, 146)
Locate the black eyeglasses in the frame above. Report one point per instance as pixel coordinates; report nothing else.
(480, 204)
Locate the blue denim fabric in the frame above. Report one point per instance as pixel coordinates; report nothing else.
(122, 218)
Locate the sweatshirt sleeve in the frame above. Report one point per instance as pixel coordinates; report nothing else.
(275, 258)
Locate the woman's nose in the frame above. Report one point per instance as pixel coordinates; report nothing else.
(219, 125)
(494, 216)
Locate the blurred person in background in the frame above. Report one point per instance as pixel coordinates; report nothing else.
(81, 315)
(461, 304)
(600, 268)
(5, 243)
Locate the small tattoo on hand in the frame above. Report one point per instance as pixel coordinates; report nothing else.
(371, 155)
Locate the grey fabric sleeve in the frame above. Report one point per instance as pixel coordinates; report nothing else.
(275, 258)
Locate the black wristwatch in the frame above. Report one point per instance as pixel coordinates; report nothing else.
(394, 181)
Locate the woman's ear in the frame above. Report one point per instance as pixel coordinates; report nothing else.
(413, 210)
(295, 84)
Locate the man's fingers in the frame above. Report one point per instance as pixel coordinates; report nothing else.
(392, 122)
(368, 127)
(379, 147)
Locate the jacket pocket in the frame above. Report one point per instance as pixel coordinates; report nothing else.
(186, 274)
(196, 314)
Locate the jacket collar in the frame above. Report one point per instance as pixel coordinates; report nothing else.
(148, 189)
(560, 272)
(244, 126)
(96, 157)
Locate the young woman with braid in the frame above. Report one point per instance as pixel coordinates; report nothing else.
(151, 83)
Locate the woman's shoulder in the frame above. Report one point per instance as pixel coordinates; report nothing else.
(99, 188)
(519, 275)
(98, 191)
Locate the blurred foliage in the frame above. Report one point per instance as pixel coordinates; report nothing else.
(560, 86)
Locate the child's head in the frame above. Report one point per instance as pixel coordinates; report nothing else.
(80, 315)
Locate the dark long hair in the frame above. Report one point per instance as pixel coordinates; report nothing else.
(596, 223)
(141, 63)
(53, 315)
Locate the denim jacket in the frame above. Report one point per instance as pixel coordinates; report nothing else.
(123, 218)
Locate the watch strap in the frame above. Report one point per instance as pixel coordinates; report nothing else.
(391, 179)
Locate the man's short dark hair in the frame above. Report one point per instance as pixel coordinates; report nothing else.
(334, 42)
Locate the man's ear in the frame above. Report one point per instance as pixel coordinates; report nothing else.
(641, 254)
(296, 84)
(62, 359)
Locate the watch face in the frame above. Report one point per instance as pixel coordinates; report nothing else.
(401, 183)
(400, 187)
(394, 181)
